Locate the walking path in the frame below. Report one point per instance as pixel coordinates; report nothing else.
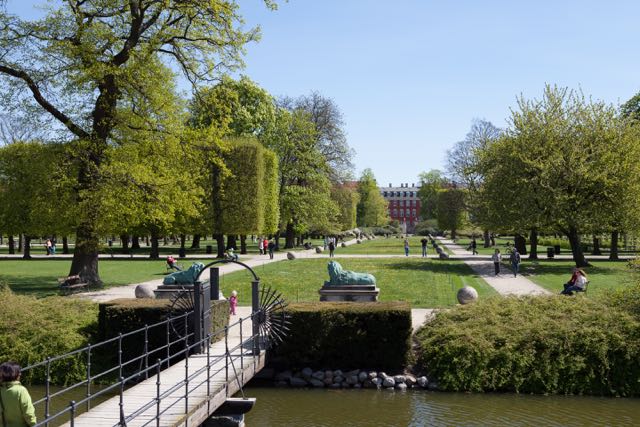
(505, 283)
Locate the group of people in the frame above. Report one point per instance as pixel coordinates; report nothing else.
(266, 246)
(16, 407)
(514, 260)
(50, 246)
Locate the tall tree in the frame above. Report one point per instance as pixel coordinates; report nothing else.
(372, 207)
(346, 199)
(106, 54)
(430, 184)
(451, 210)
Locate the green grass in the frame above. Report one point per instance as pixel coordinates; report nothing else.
(501, 243)
(384, 246)
(423, 283)
(603, 276)
(39, 278)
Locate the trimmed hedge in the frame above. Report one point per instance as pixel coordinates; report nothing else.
(125, 315)
(32, 329)
(347, 336)
(534, 345)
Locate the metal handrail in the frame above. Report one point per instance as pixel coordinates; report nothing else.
(144, 370)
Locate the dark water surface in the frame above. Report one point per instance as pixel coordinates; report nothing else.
(319, 408)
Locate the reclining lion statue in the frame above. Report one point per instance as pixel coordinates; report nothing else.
(186, 277)
(340, 277)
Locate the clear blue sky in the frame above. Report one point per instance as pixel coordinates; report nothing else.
(411, 75)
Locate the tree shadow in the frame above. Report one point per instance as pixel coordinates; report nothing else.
(41, 286)
(435, 266)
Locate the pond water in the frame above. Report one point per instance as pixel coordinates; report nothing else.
(371, 408)
(61, 402)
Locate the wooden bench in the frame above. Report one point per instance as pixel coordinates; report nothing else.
(71, 284)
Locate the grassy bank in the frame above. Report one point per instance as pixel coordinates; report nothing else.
(423, 283)
(387, 246)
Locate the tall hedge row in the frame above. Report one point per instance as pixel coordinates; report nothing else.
(271, 202)
(534, 345)
(346, 336)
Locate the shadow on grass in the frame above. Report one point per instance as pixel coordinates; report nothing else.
(566, 270)
(40, 286)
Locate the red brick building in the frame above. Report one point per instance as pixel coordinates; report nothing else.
(403, 204)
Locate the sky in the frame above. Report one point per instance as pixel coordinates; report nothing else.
(410, 75)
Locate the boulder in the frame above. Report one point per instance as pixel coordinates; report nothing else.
(443, 255)
(388, 382)
(291, 256)
(401, 387)
(358, 241)
(317, 383)
(328, 374)
(306, 373)
(467, 295)
(284, 376)
(328, 381)
(410, 380)
(423, 382)
(319, 249)
(144, 291)
(362, 376)
(297, 382)
(352, 379)
(368, 384)
(377, 382)
(338, 379)
(337, 373)
(372, 375)
(343, 245)
(399, 379)
(318, 375)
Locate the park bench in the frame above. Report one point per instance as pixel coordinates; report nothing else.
(71, 284)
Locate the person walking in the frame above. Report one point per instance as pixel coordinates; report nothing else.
(261, 245)
(47, 246)
(406, 247)
(514, 258)
(332, 248)
(496, 258)
(265, 245)
(474, 246)
(271, 246)
(424, 242)
(16, 408)
(233, 302)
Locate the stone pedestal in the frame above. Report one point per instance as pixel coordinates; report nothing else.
(168, 291)
(351, 293)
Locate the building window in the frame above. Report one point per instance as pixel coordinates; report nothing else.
(411, 193)
(408, 212)
(384, 194)
(413, 203)
(401, 213)
(395, 212)
(413, 212)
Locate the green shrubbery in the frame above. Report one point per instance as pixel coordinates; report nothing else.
(536, 345)
(346, 336)
(32, 329)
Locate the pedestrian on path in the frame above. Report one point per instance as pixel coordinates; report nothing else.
(261, 245)
(271, 246)
(47, 246)
(514, 258)
(332, 248)
(406, 247)
(16, 408)
(474, 246)
(424, 242)
(496, 257)
(265, 245)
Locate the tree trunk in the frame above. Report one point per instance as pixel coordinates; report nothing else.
(135, 242)
(487, 238)
(576, 248)
(20, 243)
(146, 240)
(27, 247)
(533, 242)
(195, 243)
(219, 244)
(124, 239)
(243, 244)
(182, 252)
(596, 246)
(453, 234)
(165, 241)
(520, 243)
(155, 252)
(613, 255)
(289, 237)
(85, 254)
(12, 245)
(65, 245)
(277, 239)
(231, 242)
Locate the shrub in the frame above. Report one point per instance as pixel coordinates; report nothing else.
(534, 345)
(427, 227)
(346, 335)
(33, 329)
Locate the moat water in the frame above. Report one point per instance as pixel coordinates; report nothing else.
(371, 408)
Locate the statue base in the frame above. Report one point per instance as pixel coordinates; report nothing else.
(168, 291)
(350, 293)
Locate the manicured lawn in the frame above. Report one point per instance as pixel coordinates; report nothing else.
(501, 243)
(390, 246)
(423, 283)
(603, 275)
(39, 278)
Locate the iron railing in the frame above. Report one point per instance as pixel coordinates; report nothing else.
(143, 369)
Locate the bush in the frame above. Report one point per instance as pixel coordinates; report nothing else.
(33, 329)
(534, 345)
(382, 231)
(346, 335)
(427, 227)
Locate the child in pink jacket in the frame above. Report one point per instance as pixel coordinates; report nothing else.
(233, 302)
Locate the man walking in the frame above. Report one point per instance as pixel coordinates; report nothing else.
(514, 258)
(424, 242)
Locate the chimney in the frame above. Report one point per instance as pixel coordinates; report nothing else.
(413, 185)
(389, 185)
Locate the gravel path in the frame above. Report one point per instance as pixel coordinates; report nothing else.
(505, 283)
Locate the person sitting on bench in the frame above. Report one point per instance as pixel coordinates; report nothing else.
(173, 264)
(232, 255)
(577, 283)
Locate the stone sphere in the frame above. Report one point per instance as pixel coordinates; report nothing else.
(319, 249)
(358, 241)
(291, 256)
(467, 295)
(144, 291)
(343, 244)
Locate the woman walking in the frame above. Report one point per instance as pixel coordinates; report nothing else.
(16, 408)
(496, 257)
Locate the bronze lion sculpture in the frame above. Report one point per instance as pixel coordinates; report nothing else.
(340, 277)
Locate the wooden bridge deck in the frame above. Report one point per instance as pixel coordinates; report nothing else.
(175, 410)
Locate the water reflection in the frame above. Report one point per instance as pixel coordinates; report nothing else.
(369, 408)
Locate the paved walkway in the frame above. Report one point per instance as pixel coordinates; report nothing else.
(505, 283)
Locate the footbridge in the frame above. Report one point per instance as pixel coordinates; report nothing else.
(182, 381)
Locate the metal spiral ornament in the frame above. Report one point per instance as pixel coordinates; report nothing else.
(182, 302)
(273, 318)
